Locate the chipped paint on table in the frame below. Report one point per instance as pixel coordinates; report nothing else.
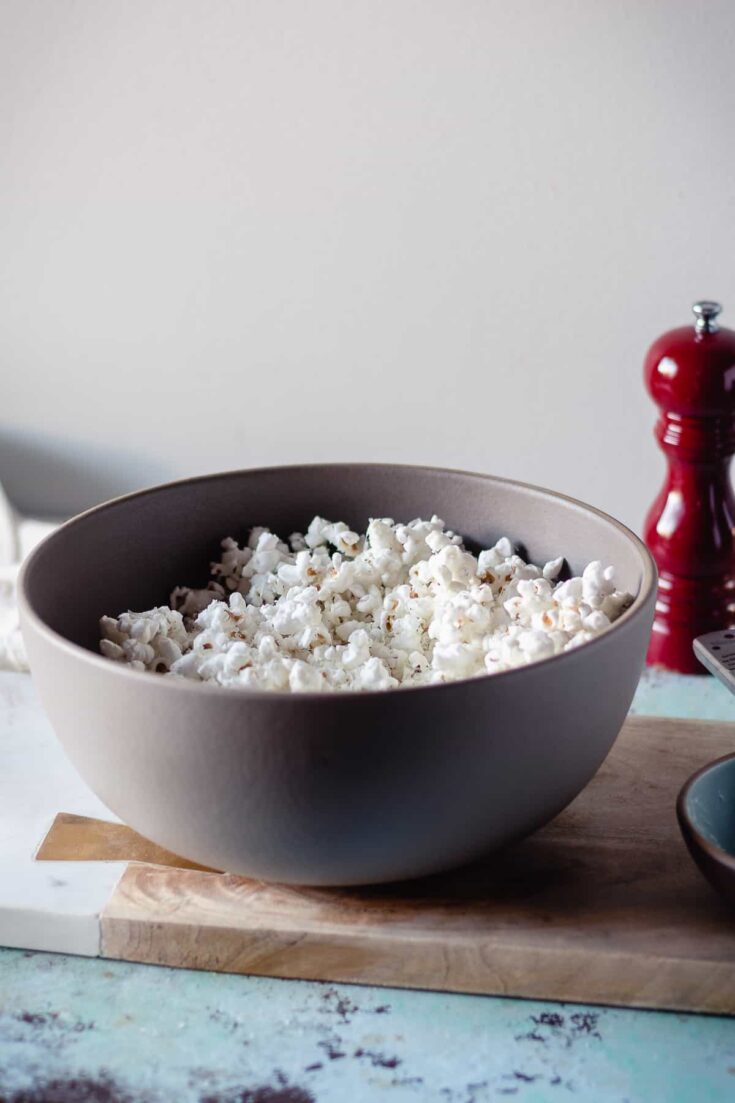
(91, 1031)
(140, 1033)
(693, 696)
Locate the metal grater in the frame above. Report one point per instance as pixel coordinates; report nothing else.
(716, 651)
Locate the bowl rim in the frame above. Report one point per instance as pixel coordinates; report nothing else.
(645, 593)
(717, 853)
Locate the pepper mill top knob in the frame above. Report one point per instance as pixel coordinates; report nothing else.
(690, 371)
(706, 313)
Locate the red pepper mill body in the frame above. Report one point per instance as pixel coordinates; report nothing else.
(690, 373)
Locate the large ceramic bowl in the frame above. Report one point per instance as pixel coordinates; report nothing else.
(328, 788)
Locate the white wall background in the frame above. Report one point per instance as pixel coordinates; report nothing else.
(442, 231)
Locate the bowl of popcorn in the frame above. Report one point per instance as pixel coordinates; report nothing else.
(338, 674)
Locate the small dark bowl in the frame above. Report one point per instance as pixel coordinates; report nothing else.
(706, 812)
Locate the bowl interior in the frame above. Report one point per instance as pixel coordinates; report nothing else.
(710, 805)
(130, 553)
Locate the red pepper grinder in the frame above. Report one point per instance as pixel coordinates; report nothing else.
(690, 529)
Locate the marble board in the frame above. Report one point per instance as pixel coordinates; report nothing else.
(603, 905)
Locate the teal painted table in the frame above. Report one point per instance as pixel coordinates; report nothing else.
(83, 1030)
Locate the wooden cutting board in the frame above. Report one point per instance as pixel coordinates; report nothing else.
(603, 905)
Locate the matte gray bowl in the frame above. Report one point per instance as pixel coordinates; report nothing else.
(331, 789)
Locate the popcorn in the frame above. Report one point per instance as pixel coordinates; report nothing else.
(148, 641)
(405, 604)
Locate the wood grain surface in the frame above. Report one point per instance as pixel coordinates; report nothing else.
(74, 838)
(603, 905)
